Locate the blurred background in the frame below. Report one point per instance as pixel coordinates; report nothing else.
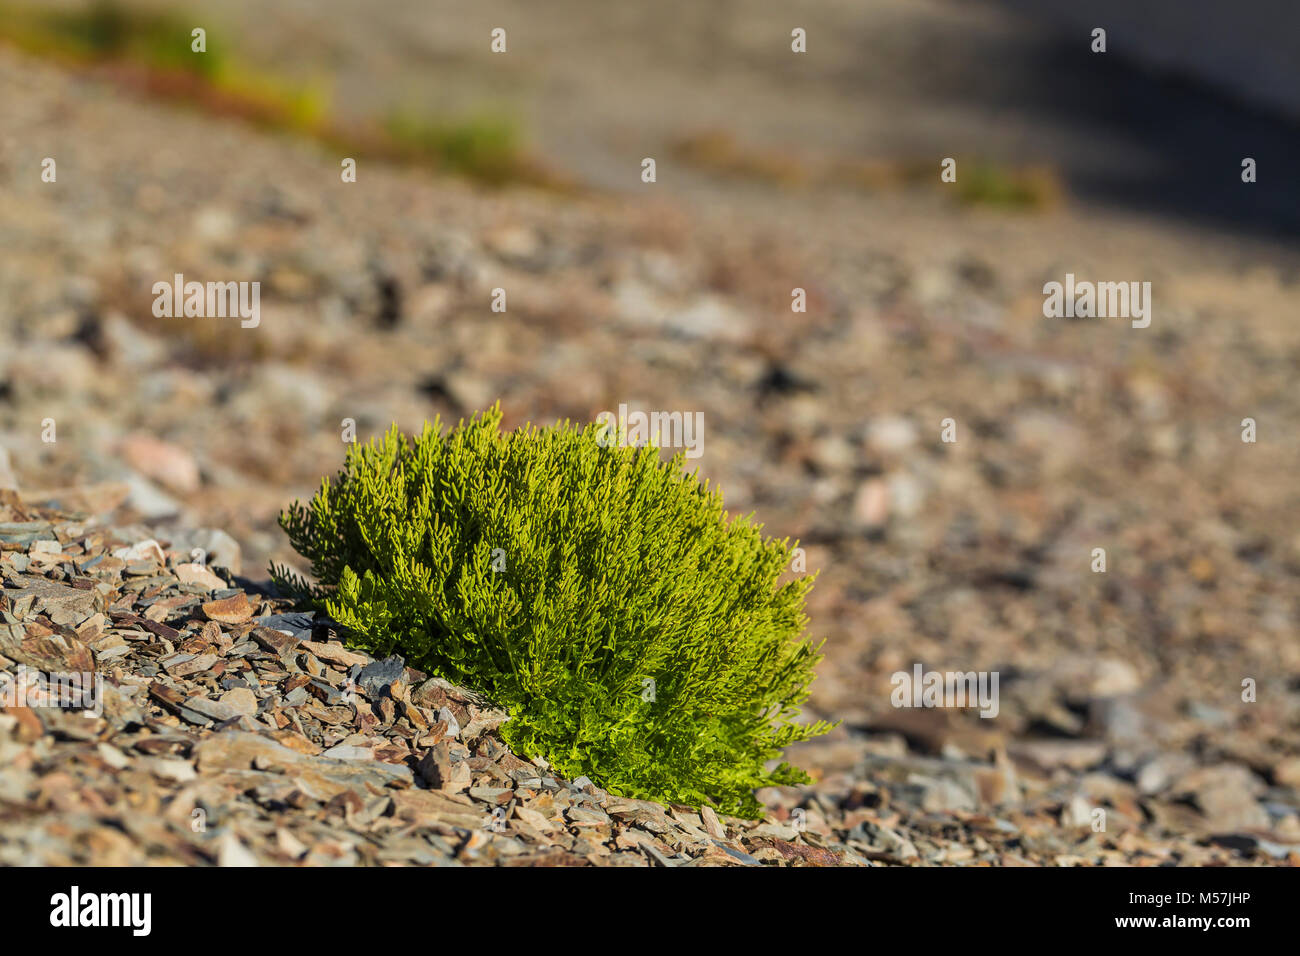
(775, 171)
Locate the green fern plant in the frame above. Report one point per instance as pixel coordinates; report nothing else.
(636, 634)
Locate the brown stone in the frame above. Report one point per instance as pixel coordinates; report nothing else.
(47, 652)
(334, 653)
(231, 610)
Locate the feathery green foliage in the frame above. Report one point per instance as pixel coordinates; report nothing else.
(562, 573)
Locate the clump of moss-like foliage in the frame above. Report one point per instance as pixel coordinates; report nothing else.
(635, 632)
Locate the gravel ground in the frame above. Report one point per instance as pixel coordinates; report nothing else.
(219, 729)
(1120, 690)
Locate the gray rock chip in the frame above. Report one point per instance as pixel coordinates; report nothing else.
(25, 532)
(214, 709)
(376, 676)
(298, 624)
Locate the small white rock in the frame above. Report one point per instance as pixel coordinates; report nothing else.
(453, 725)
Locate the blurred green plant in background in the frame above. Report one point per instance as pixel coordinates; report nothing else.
(151, 51)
